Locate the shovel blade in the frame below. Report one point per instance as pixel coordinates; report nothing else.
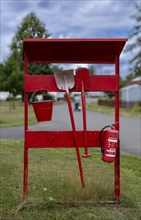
(65, 78)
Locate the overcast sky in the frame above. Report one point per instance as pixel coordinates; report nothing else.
(72, 19)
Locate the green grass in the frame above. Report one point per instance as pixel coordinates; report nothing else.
(10, 116)
(134, 111)
(54, 186)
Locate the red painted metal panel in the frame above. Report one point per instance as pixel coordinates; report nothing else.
(103, 83)
(36, 82)
(59, 139)
(97, 83)
(73, 50)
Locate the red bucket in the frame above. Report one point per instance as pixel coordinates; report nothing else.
(42, 109)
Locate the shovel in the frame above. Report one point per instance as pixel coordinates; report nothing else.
(82, 83)
(65, 81)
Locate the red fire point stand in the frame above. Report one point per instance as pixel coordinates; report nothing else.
(90, 51)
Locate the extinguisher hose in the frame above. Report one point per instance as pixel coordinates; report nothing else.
(100, 137)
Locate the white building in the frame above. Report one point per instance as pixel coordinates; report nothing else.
(132, 92)
(4, 95)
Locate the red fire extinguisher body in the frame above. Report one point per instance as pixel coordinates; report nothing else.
(109, 145)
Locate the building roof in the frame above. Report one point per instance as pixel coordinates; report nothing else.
(136, 80)
(130, 87)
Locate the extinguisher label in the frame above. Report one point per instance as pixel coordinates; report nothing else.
(112, 150)
(110, 155)
(112, 140)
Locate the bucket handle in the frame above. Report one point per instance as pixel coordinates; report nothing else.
(33, 94)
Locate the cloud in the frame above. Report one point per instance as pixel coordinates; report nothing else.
(88, 19)
(44, 4)
(70, 19)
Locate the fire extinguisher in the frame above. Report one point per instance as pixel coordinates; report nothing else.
(108, 143)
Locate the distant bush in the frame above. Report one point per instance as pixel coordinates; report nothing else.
(111, 103)
(107, 102)
(47, 96)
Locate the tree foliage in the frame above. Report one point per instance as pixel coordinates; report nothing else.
(92, 69)
(11, 72)
(13, 77)
(31, 27)
(122, 82)
(136, 45)
(2, 77)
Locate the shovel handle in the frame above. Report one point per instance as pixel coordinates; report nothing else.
(75, 138)
(66, 86)
(84, 120)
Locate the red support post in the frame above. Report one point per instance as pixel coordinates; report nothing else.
(75, 140)
(117, 159)
(25, 184)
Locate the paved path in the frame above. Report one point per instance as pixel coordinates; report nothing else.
(130, 127)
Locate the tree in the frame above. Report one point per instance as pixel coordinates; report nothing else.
(92, 69)
(136, 35)
(2, 77)
(31, 27)
(122, 82)
(13, 77)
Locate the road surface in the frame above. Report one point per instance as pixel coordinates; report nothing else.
(130, 127)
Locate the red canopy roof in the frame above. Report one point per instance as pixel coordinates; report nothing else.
(73, 50)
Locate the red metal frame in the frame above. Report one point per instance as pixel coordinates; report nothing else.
(92, 51)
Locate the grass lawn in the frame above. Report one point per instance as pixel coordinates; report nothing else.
(134, 111)
(54, 186)
(10, 116)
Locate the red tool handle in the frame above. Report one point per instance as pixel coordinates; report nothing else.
(75, 139)
(86, 154)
